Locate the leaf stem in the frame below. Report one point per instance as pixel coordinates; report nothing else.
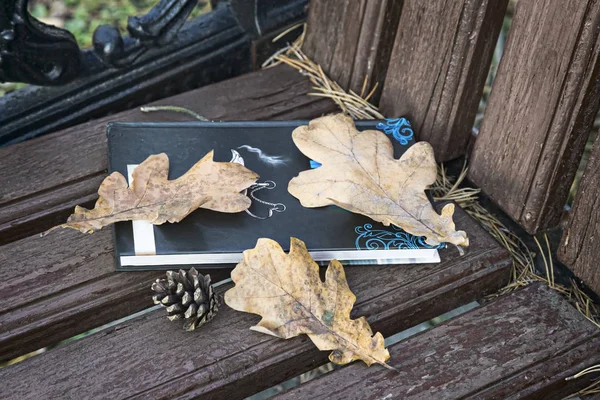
(178, 109)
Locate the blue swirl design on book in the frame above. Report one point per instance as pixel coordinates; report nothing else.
(380, 239)
(399, 128)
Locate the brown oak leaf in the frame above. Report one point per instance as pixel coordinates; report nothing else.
(286, 290)
(360, 174)
(154, 198)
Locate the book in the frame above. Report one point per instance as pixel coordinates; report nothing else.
(212, 239)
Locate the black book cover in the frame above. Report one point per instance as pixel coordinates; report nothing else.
(213, 238)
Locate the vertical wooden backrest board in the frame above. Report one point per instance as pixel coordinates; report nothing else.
(352, 39)
(579, 248)
(541, 109)
(438, 67)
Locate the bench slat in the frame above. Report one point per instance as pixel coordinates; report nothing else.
(579, 248)
(439, 64)
(357, 45)
(62, 285)
(39, 178)
(153, 357)
(541, 109)
(21, 218)
(523, 344)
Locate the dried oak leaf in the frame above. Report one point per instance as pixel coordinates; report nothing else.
(360, 174)
(154, 198)
(286, 290)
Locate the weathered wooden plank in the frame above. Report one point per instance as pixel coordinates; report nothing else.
(61, 285)
(352, 39)
(151, 357)
(438, 68)
(541, 110)
(579, 247)
(522, 345)
(52, 207)
(39, 178)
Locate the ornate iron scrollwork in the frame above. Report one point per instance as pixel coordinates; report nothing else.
(154, 29)
(33, 52)
(36, 53)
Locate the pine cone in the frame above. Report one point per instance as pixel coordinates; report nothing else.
(187, 296)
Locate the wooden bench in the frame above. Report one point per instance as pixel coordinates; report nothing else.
(520, 345)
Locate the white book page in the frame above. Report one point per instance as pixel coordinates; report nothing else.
(143, 231)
